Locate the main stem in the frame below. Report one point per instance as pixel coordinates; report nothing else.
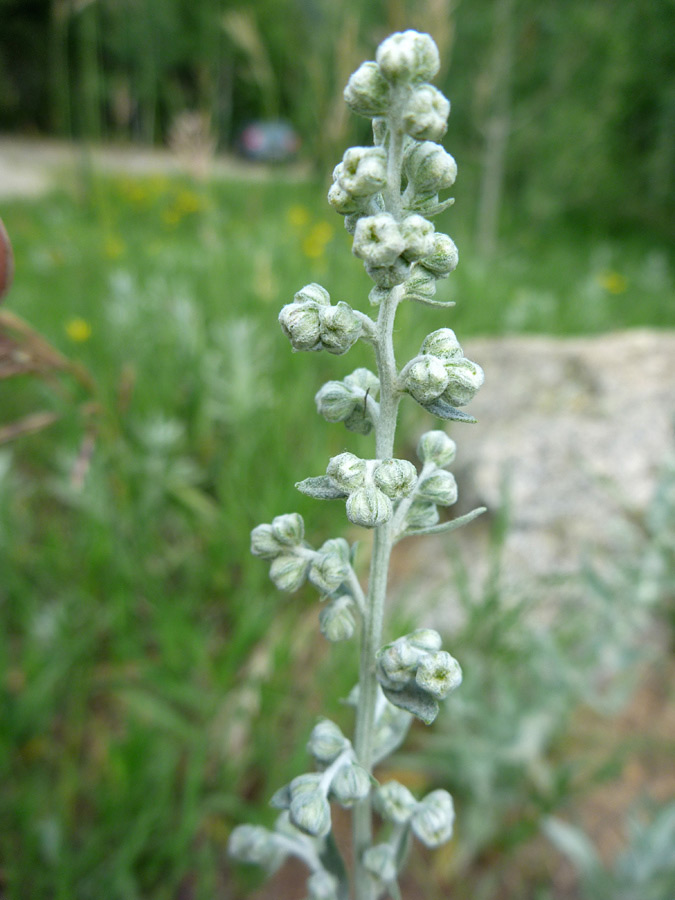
(371, 636)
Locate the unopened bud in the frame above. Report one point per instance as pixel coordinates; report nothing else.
(347, 471)
(421, 282)
(380, 861)
(313, 293)
(289, 529)
(264, 543)
(363, 171)
(438, 673)
(369, 507)
(330, 566)
(367, 92)
(326, 742)
(395, 802)
(339, 328)
(442, 343)
(336, 619)
(396, 663)
(387, 277)
(426, 379)
(425, 639)
(396, 477)
(322, 886)
(464, 380)
(254, 844)
(426, 114)
(422, 515)
(335, 401)
(408, 55)
(350, 783)
(430, 168)
(418, 234)
(341, 200)
(440, 487)
(365, 380)
(377, 240)
(444, 257)
(436, 447)
(309, 809)
(301, 325)
(433, 820)
(288, 572)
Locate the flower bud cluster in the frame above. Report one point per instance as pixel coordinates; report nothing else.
(342, 779)
(357, 179)
(312, 323)
(417, 659)
(442, 371)
(371, 486)
(282, 542)
(346, 400)
(431, 819)
(336, 619)
(258, 845)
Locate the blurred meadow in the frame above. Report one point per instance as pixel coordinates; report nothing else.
(155, 688)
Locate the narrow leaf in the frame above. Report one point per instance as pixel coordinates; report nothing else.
(444, 410)
(321, 488)
(428, 301)
(447, 526)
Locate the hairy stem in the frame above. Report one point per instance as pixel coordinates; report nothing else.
(371, 634)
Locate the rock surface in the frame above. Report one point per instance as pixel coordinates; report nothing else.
(580, 428)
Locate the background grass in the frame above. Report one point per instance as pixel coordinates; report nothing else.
(155, 683)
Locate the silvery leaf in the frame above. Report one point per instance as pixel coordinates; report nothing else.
(414, 700)
(444, 410)
(321, 488)
(447, 526)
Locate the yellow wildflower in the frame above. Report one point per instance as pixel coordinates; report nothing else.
(322, 231)
(78, 330)
(613, 282)
(298, 215)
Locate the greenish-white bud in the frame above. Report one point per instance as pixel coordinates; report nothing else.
(322, 886)
(396, 663)
(254, 844)
(380, 862)
(369, 507)
(264, 543)
(430, 168)
(365, 380)
(367, 91)
(341, 200)
(408, 56)
(464, 380)
(425, 639)
(330, 567)
(426, 379)
(437, 447)
(336, 619)
(438, 673)
(387, 277)
(288, 572)
(301, 324)
(444, 257)
(440, 487)
(359, 422)
(313, 293)
(350, 783)
(339, 328)
(426, 114)
(421, 282)
(326, 742)
(289, 529)
(395, 803)
(395, 477)
(442, 343)
(363, 171)
(422, 515)
(347, 471)
(418, 234)
(434, 818)
(335, 401)
(377, 240)
(309, 809)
